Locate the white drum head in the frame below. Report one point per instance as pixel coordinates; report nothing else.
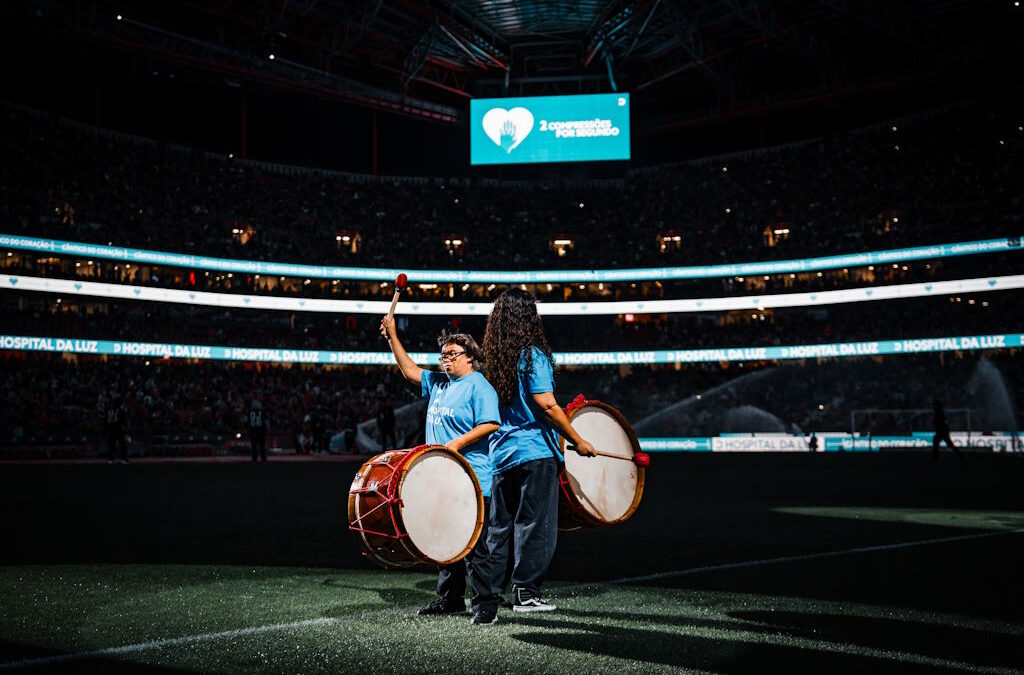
(439, 505)
(606, 487)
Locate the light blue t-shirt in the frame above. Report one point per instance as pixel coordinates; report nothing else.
(524, 435)
(457, 405)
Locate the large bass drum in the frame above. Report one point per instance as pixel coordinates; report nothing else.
(416, 506)
(604, 490)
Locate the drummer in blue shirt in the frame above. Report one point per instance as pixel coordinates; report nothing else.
(524, 452)
(462, 410)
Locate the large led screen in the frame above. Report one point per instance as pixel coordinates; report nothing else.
(549, 129)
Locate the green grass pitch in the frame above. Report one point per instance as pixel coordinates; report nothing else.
(733, 564)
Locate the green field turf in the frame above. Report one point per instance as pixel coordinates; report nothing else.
(734, 564)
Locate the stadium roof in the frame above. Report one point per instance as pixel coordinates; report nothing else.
(426, 57)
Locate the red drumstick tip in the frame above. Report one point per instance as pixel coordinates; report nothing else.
(642, 459)
(401, 281)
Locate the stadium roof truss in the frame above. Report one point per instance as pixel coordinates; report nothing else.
(423, 58)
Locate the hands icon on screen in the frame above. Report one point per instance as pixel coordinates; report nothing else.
(508, 136)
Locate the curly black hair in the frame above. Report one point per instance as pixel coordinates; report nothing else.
(513, 327)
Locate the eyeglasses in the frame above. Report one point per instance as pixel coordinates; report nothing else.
(451, 356)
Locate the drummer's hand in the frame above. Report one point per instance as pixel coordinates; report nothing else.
(387, 327)
(585, 449)
(453, 445)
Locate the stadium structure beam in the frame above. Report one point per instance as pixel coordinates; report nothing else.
(688, 37)
(643, 27)
(619, 35)
(458, 43)
(599, 38)
(417, 56)
(762, 17)
(172, 47)
(842, 7)
(466, 33)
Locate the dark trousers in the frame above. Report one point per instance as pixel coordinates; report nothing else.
(451, 580)
(939, 437)
(258, 441)
(115, 441)
(524, 507)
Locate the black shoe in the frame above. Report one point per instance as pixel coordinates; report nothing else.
(484, 618)
(439, 607)
(528, 602)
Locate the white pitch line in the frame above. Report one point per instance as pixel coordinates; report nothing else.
(202, 637)
(158, 644)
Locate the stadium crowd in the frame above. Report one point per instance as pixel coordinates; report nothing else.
(882, 187)
(53, 400)
(886, 186)
(50, 399)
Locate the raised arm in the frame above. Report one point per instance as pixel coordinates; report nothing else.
(410, 370)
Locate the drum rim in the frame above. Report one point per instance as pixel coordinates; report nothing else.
(393, 487)
(389, 493)
(641, 472)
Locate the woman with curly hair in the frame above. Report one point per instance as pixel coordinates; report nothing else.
(524, 453)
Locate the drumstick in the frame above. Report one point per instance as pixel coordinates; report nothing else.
(640, 458)
(400, 283)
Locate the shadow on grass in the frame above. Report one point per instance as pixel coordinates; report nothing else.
(393, 596)
(706, 653)
(936, 640)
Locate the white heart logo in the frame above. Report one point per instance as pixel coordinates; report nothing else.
(508, 128)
